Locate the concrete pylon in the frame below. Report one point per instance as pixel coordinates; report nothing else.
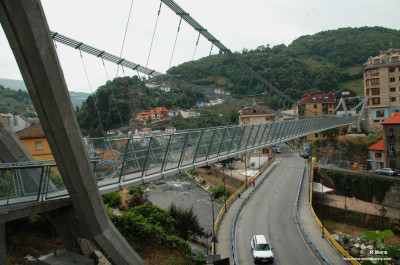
(12, 150)
(27, 32)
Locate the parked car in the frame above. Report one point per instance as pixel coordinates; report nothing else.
(304, 155)
(388, 171)
(261, 249)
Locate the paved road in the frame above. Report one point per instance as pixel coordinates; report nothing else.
(271, 211)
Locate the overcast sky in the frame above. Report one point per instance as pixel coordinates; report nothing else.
(237, 24)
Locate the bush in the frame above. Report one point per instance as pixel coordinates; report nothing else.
(135, 190)
(113, 199)
(203, 182)
(156, 216)
(149, 224)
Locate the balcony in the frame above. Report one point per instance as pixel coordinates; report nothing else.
(392, 138)
(392, 153)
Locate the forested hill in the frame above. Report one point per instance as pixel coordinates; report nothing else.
(322, 62)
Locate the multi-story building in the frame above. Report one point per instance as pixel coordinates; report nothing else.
(315, 105)
(250, 115)
(391, 138)
(382, 86)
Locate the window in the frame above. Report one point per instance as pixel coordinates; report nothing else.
(380, 113)
(376, 61)
(39, 145)
(316, 135)
(375, 71)
(391, 132)
(375, 82)
(395, 59)
(393, 99)
(367, 82)
(376, 101)
(375, 91)
(378, 155)
(391, 69)
(367, 92)
(315, 106)
(392, 89)
(391, 147)
(392, 79)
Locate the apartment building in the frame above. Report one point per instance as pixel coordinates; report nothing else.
(382, 86)
(391, 138)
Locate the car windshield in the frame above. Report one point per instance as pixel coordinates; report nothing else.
(262, 247)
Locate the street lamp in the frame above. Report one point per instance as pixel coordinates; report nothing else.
(245, 169)
(322, 205)
(212, 205)
(223, 173)
(208, 234)
(383, 212)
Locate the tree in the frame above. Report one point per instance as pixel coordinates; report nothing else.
(186, 222)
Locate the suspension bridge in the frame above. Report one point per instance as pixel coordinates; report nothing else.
(79, 172)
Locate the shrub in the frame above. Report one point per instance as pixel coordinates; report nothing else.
(113, 199)
(218, 191)
(135, 190)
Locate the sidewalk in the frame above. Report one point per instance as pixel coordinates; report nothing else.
(313, 231)
(224, 233)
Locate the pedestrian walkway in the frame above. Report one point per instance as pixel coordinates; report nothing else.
(313, 231)
(223, 246)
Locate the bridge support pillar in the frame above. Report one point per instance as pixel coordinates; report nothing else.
(28, 34)
(3, 246)
(63, 221)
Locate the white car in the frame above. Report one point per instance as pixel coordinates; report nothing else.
(261, 249)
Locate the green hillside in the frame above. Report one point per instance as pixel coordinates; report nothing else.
(16, 102)
(76, 97)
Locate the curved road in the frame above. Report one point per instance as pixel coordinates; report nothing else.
(271, 211)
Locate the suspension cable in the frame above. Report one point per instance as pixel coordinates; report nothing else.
(176, 38)
(195, 48)
(91, 92)
(154, 32)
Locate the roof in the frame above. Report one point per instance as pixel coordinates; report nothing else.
(317, 98)
(35, 131)
(384, 56)
(345, 93)
(251, 111)
(379, 146)
(395, 119)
